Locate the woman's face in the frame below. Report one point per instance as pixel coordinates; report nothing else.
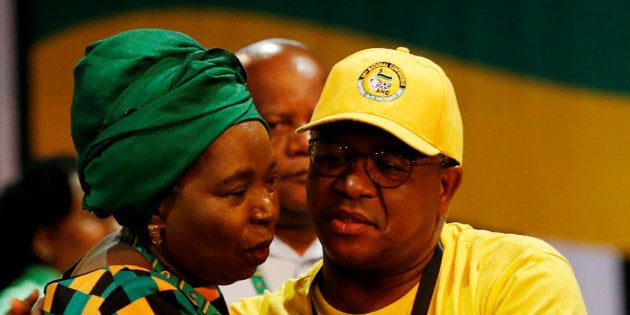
(219, 220)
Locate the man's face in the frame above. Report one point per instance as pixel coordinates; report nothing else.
(285, 89)
(365, 226)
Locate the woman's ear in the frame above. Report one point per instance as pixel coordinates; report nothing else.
(164, 208)
(43, 245)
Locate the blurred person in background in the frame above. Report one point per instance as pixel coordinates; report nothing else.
(46, 229)
(285, 79)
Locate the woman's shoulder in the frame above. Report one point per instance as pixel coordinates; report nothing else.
(110, 289)
(110, 251)
(112, 276)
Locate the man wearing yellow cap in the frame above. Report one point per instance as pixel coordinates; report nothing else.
(386, 150)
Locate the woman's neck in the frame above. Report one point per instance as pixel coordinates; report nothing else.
(110, 251)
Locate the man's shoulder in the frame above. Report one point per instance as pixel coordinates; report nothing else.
(292, 297)
(463, 239)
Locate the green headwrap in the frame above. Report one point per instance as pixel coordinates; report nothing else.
(146, 104)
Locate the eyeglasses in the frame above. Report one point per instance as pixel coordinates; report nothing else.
(385, 169)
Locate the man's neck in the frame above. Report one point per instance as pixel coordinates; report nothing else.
(298, 239)
(364, 292)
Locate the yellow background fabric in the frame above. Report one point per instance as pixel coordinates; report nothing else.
(542, 158)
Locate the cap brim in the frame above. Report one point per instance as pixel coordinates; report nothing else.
(395, 129)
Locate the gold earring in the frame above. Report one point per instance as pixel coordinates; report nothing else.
(155, 234)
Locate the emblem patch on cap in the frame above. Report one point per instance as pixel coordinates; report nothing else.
(382, 81)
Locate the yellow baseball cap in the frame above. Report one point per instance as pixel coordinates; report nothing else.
(408, 96)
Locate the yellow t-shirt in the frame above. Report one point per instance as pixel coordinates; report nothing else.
(401, 306)
(482, 272)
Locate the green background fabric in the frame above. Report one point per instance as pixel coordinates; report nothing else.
(585, 42)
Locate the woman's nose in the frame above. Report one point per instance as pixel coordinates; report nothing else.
(266, 209)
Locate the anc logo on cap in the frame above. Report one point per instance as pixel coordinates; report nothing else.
(382, 81)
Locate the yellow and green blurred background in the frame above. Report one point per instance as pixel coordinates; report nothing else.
(543, 87)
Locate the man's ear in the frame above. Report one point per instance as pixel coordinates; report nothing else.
(450, 178)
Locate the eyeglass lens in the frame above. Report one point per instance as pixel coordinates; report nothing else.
(386, 169)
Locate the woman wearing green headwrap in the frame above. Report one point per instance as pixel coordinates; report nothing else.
(170, 144)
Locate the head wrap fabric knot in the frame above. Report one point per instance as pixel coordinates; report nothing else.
(146, 103)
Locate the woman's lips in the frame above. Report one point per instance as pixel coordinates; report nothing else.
(260, 255)
(260, 252)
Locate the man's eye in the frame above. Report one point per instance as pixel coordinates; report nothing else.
(389, 166)
(391, 163)
(331, 159)
(271, 182)
(279, 125)
(238, 192)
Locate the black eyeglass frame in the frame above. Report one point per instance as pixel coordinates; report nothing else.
(371, 165)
